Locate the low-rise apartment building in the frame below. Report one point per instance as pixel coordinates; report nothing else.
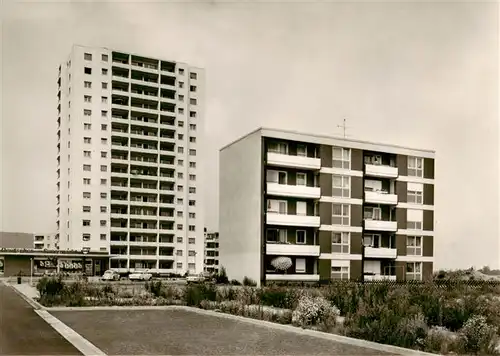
(46, 242)
(301, 207)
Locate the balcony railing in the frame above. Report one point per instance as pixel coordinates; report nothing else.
(382, 171)
(380, 197)
(380, 252)
(292, 249)
(289, 161)
(292, 277)
(275, 218)
(380, 225)
(300, 191)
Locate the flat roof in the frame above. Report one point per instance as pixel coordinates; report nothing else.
(333, 140)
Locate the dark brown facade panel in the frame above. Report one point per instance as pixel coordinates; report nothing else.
(291, 177)
(357, 190)
(325, 241)
(402, 191)
(263, 209)
(427, 268)
(356, 215)
(325, 270)
(292, 234)
(325, 213)
(428, 224)
(326, 184)
(401, 245)
(429, 194)
(400, 270)
(402, 164)
(325, 153)
(355, 270)
(427, 246)
(401, 218)
(357, 162)
(429, 168)
(356, 242)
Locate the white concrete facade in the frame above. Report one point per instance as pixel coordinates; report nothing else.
(46, 241)
(128, 159)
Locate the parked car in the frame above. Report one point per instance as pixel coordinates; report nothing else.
(110, 275)
(196, 278)
(140, 276)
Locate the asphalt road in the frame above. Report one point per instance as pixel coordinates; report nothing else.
(178, 332)
(23, 332)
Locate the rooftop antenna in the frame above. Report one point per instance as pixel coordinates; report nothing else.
(343, 127)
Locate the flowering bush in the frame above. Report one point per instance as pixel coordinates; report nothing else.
(479, 336)
(440, 339)
(315, 311)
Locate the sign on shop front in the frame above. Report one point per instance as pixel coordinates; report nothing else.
(52, 265)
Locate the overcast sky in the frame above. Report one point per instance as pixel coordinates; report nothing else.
(421, 75)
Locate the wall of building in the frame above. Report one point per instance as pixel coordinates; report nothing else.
(16, 240)
(240, 208)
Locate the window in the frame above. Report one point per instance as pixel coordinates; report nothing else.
(87, 56)
(181, 84)
(372, 213)
(104, 71)
(86, 222)
(300, 237)
(104, 181)
(277, 206)
(192, 215)
(87, 98)
(192, 241)
(192, 203)
(180, 201)
(415, 193)
(192, 139)
(191, 266)
(192, 114)
(104, 168)
(180, 188)
(85, 237)
(180, 149)
(301, 179)
(181, 111)
(278, 147)
(192, 152)
(180, 227)
(104, 113)
(86, 195)
(340, 242)
(192, 88)
(181, 123)
(180, 175)
(181, 97)
(179, 252)
(103, 223)
(192, 101)
(181, 71)
(276, 235)
(179, 239)
(192, 177)
(104, 195)
(192, 253)
(104, 127)
(104, 140)
(86, 167)
(104, 154)
(180, 162)
(87, 140)
(414, 219)
(341, 158)
(192, 190)
(340, 272)
(87, 70)
(301, 150)
(103, 237)
(104, 99)
(414, 245)
(87, 85)
(193, 75)
(300, 265)
(415, 167)
(180, 136)
(179, 264)
(87, 126)
(279, 177)
(86, 209)
(341, 186)
(86, 181)
(104, 85)
(103, 209)
(192, 164)
(192, 127)
(340, 214)
(87, 112)
(86, 153)
(414, 271)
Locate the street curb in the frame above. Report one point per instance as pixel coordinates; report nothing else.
(288, 328)
(33, 303)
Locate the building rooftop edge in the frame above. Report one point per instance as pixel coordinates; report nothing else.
(307, 134)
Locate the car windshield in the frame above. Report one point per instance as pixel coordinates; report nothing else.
(108, 272)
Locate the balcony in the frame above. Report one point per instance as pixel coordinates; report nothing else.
(380, 252)
(293, 277)
(292, 220)
(381, 225)
(292, 250)
(284, 160)
(299, 191)
(379, 277)
(381, 171)
(380, 197)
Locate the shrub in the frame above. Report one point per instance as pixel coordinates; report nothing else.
(315, 311)
(249, 282)
(279, 297)
(194, 294)
(235, 282)
(439, 339)
(155, 288)
(479, 337)
(221, 277)
(51, 290)
(226, 293)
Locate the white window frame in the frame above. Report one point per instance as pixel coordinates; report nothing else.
(344, 246)
(345, 218)
(279, 204)
(373, 238)
(415, 197)
(414, 246)
(376, 213)
(281, 236)
(300, 267)
(270, 178)
(341, 157)
(414, 225)
(303, 204)
(304, 152)
(344, 188)
(302, 174)
(339, 273)
(278, 147)
(415, 166)
(297, 237)
(416, 273)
